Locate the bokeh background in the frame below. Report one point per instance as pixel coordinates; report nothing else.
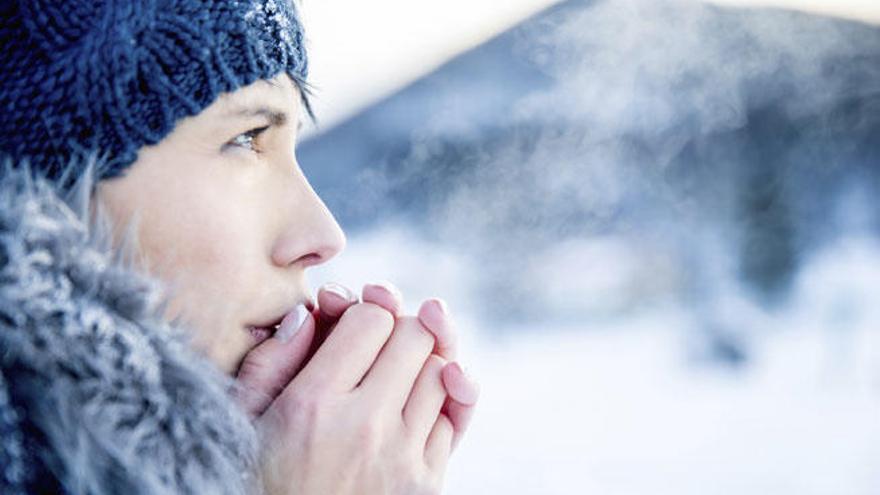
(656, 221)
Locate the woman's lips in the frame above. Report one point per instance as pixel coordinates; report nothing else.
(262, 332)
(260, 335)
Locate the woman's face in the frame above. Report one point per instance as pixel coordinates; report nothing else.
(226, 218)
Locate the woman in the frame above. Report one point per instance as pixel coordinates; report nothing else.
(156, 331)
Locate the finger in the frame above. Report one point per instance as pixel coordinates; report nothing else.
(434, 314)
(384, 294)
(350, 350)
(391, 377)
(333, 300)
(439, 445)
(459, 385)
(425, 401)
(269, 367)
(460, 415)
(463, 395)
(323, 328)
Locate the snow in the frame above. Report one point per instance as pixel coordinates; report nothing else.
(618, 406)
(618, 412)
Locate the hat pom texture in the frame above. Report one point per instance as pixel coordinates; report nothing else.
(82, 77)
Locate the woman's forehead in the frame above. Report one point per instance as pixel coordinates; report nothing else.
(278, 93)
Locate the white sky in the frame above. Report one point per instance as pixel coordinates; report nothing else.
(864, 10)
(363, 50)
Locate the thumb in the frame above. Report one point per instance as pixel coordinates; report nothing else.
(269, 367)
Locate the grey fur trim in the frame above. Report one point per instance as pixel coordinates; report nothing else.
(126, 406)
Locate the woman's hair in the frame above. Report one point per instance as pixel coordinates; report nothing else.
(107, 77)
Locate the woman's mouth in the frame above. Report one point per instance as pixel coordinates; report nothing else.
(263, 331)
(261, 334)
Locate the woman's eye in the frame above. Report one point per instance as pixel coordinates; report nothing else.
(246, 139)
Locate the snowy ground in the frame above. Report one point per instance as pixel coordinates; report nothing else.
(618, 408)
(617, 412)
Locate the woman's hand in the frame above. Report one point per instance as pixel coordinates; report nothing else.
(363, 416)
(384, 430)
(268, 368)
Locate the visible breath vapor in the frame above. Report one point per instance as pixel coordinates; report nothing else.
(619, 181)
(715, 137)
(608, 156)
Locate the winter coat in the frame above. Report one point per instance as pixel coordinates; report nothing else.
(98, 395)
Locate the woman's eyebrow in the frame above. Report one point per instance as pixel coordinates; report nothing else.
(274, 116)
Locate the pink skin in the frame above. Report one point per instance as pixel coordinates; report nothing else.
(226, 218)
(463, 394)
(267, 369)
(463, 391)
(433, 314)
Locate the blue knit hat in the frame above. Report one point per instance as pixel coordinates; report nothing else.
(107, 77)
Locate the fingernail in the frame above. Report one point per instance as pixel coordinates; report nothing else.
(435, 315)
(469, 392)
(339, 290)
(443, 307)
(461, 371)
(389, 287)
(291, 323)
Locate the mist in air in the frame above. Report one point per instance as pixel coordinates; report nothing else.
(657, 220)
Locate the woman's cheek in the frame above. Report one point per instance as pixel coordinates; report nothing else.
(205, 271)
(212, 316)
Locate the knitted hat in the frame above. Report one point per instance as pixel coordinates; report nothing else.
(107, 77)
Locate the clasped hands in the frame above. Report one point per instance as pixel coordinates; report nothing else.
(360, 399)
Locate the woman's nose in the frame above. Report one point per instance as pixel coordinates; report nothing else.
(311, 234)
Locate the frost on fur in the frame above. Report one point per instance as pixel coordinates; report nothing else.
(118, 400)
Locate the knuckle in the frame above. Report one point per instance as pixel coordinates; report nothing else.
(419, 484)
(434, 364)
(368, 435)
(304, 406)
(444, 425)
(251, 368)
(415, 330)
(372, 316)
(431, 376)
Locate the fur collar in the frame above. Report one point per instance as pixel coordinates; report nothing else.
(97, 393)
